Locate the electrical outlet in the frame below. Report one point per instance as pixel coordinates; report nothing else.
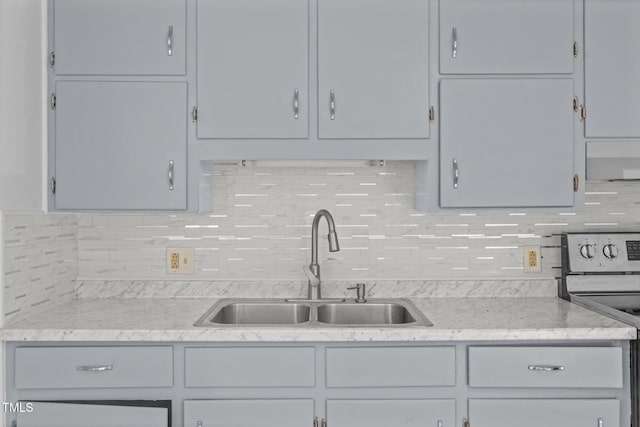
(531, 259)
(181, 260)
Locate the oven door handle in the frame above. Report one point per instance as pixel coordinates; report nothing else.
(546, 368)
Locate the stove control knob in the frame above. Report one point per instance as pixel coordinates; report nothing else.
(610, 251)
(587, 251)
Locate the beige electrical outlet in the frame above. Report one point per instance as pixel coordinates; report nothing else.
(531, 259)
(181, 260)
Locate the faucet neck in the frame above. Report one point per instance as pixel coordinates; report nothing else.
(314, 232)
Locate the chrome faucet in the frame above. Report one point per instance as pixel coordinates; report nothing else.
(313, 270)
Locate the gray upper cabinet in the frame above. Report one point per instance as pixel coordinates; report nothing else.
(120, 145)
(612, 68)
(119, 37)
(506, 36)
(506, 143)
(252, 73)
(373, 65)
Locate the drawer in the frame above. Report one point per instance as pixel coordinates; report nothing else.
(250, 367)
(93, 367)
(390, 366)
(545, 367)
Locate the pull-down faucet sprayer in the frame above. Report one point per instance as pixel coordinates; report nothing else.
(313, 270)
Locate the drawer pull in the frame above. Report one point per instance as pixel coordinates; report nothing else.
(546, 368)
(600, 422)
(94, 368)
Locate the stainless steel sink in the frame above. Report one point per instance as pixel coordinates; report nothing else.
(265, 312)
(262, 312)
(370, 313)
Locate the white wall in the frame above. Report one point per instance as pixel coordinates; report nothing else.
(22, 122)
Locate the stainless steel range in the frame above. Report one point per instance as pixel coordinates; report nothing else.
(601, 271)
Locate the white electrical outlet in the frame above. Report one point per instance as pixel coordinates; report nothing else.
(531, 259)
(181, 260)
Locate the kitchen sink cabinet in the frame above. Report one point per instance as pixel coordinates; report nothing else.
(612, 68)
(506, 142)
(506, 37)
(252, 75)
(119, 37)
(454, 381)
(373, 69)
(120, 145)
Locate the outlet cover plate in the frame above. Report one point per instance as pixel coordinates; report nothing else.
(181, 260)
(531, 259)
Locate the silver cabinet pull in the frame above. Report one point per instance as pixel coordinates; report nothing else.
(456, 173)
(454, 43)
(170, 175)
(323, 423)
(199, 424)
(94, 368)
(170, 41)
(600, 422)
(439, 423)
(296, 103)
(332, 104)
(315, 422)
(546, 368)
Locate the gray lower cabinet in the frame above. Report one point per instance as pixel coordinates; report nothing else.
(373, 69)
(120, 145)
(506, 36)
(612, 61)
(249, 413)
(506, 143)
(49, 414)
(252, 69)
(119, 37)
(388, 412)
(544, 412)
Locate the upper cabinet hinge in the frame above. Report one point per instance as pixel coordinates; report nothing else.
(53, 101)
(52, 185)
(432, 114)
(194, 114)
(576, 183)
(575, 49)
(52, 59)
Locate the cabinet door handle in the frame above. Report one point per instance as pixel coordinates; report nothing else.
(323, 423)
(600, 422)
(456, 173)
(439, 423)
(315, 422)
(199, 424)
(170, 175)
(94, 368)
(170, 41)
(454, 42)
(546, 368)
(332, 104)
(296, 103)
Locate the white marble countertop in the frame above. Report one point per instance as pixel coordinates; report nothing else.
(454, 319)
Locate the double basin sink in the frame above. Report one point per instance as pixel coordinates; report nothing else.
(272, 312)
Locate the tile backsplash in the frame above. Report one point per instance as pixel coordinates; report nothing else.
(261, 225)
(40, 261)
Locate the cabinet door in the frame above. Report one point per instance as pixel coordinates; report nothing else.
(506, 143)
(506, 36)
(248, 413)
(542, 412)
(252, 69)
(374, 68)
(49, 414)
(120, 145)
(612, 68)
(119, 37)
(385, 413)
